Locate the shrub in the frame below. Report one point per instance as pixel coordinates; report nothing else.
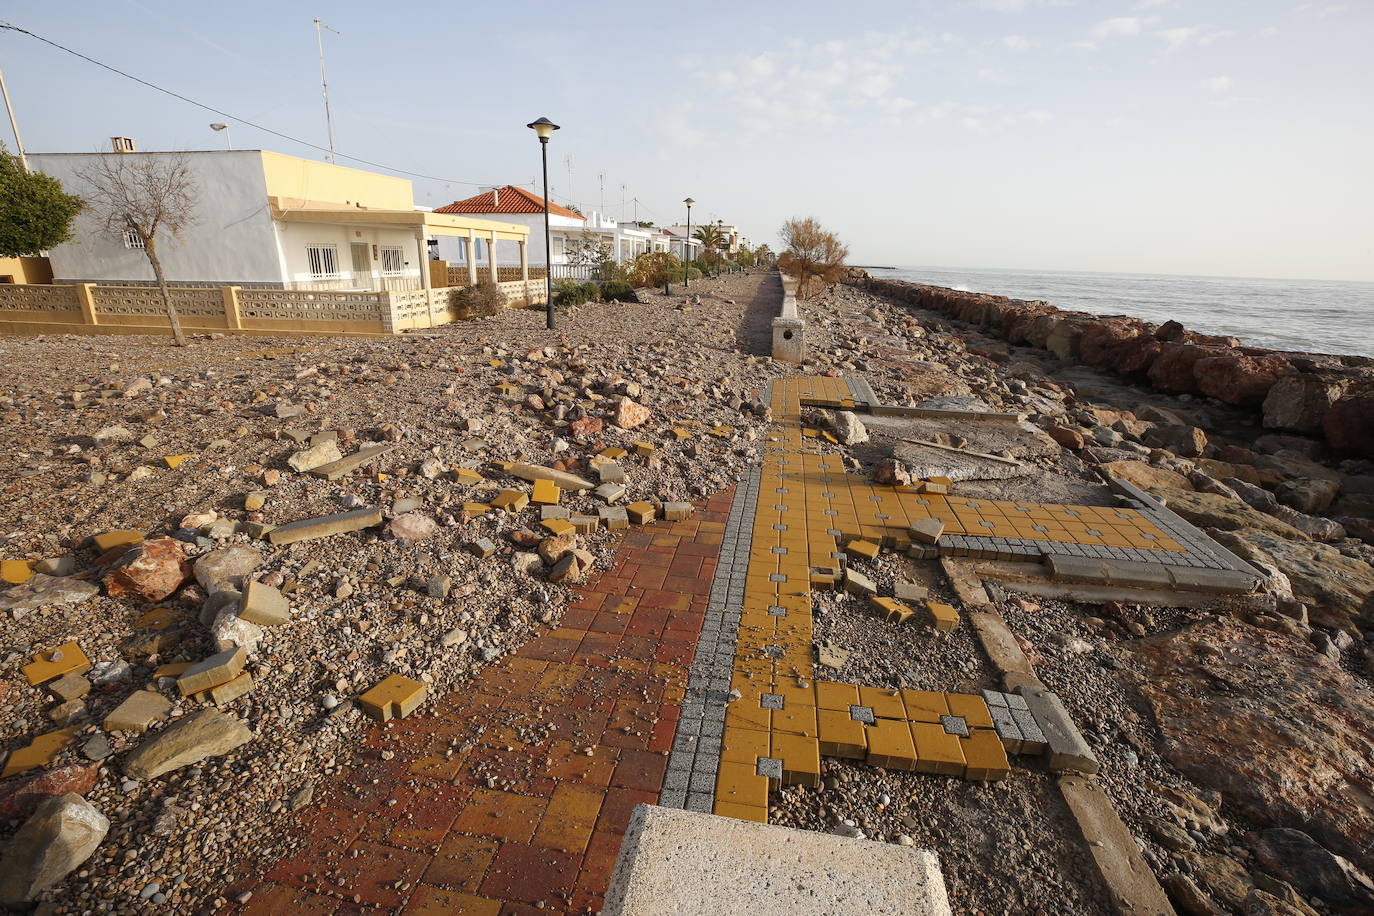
(653, 268)
(572, 292)
(481, 300)
(618, 290)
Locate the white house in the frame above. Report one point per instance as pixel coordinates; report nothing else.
(265, 220)
(511, 204)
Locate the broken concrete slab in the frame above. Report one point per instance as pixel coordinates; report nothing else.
(927, 530)
(61, 834)
(208, 733)
(563, 479)
(213, 671)
(46, 666)
(673, 860)
(1114, 849)
(46, 591)
(138, 711)
(310, 528)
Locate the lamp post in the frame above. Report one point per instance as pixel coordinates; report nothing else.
(687, 246)
(545, 128)
(228, 137)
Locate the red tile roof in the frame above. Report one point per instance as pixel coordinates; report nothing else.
(508, 199)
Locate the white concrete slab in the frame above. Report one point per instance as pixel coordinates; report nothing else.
(674, 862)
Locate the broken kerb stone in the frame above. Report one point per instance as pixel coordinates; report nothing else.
(350, 463)
(611, 472)
(856, 583)
(141, 709)
(208, 733)
(927, 530)
(563, 479)
(264, 605)
(909, 592)
(610, 492)
(1066, 749)
(311, 528)
(614, 517)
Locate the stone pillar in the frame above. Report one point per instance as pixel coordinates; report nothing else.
(525, 268)
(232, 320)
(472, 258)
(491, 258)
(85, 295)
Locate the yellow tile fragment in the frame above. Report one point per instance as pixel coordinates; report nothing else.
(38, 752)
(118, 537)
(546, 493)
(15, 572)
(65, 659)
(397, 696)
(174, 461)
(557, 526)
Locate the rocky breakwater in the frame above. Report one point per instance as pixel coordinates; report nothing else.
(1308, 393)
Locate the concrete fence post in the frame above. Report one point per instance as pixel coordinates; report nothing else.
(232, 319)
(85, 295)
(789, 330)
(388, 312)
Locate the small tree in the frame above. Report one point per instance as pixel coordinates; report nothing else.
(35, 213)
(150, 197)
(812, 253)
(711, 238)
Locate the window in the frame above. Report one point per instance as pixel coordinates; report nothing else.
(133, 240)
(323, 260)
(393, 262)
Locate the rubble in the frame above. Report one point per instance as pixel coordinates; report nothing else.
(60, 835)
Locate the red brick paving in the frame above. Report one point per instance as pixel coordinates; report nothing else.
(486, 810)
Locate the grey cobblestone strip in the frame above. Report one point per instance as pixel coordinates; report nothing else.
(690, 781)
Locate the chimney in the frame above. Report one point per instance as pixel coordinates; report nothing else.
(495, 198)
(123, 144)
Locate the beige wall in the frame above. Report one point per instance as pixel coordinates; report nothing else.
(305, 179)
(25, 270)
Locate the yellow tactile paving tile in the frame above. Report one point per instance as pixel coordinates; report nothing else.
(937, 751)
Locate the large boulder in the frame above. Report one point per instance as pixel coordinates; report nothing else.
(1239, 379)
(1306, 728)
(1314, 871)
(61, 834)
(208, 733)
(151, 571)
(1097, 347)
(1184, 441)
(1300, 400)
(1145, 476)
(1338, 590)
(1349, 424)
(1209, 510)
(848, 428)
(1172, 370)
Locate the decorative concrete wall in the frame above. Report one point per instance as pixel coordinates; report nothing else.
(85, 308)
(789, 330)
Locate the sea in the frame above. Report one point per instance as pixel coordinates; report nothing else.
(1316, 316)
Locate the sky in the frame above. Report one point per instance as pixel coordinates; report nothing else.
(1213, 137)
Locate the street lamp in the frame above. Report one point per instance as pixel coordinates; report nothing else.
(228, 137)
(545, 128)
(687, 246)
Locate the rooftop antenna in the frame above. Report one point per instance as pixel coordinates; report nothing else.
(14, 125)
(622, 201)
(601, 177)
(567, 160)
(324, 85)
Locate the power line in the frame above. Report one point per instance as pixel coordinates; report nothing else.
(225, 114)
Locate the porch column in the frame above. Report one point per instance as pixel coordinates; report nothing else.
(472, 258)
(491, 258)
(427, 284)
(525, 268)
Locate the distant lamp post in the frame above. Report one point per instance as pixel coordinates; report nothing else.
(545, 128)
(228, 137)
(687, 246)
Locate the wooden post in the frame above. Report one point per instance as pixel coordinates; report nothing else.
(86, 296)
(472, 258)
(232, 320)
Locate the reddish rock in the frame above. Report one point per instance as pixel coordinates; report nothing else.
(151, 571)
(891, 472)
(1097, 347)
(1172, 369)
(1239, 379)
(1068, 438)
(1169, 330)
(1299, 401)
(1349, 424)
(1136, 354)
(629, 414)
(587, 426)
(19, 798)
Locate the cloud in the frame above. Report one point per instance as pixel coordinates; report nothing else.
(1121, 27)
(1219, 85)
(1114, 122)
(1179, 37)
(1018, 42)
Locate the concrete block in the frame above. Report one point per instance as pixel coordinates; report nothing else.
(943, 617)
(511, 501)
(909, 592)
(674, 861)
(38, 752)
(585, 524)
(213, 671)
(396, 696)
(865, 550)
(677, 511)
(226, 693)
(613, 517)
(611, 472)
(117, 537)
(549, 513)
(1065, 746)
(350, 463)
(856, 583)
(610, 492)
(264, 605)
(641, 513)
(546, 493)
(311, 528)
(927, 530)
(138, 711)
(483, 548)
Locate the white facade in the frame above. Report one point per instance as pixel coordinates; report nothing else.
(241, 234)
(561, 229)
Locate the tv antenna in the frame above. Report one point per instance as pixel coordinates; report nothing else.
(324, 85)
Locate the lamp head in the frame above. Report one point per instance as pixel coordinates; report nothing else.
(544, 128)
(689, 202)
(219, 126)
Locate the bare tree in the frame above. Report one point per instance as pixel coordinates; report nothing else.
(812, 253)
(148, 196)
